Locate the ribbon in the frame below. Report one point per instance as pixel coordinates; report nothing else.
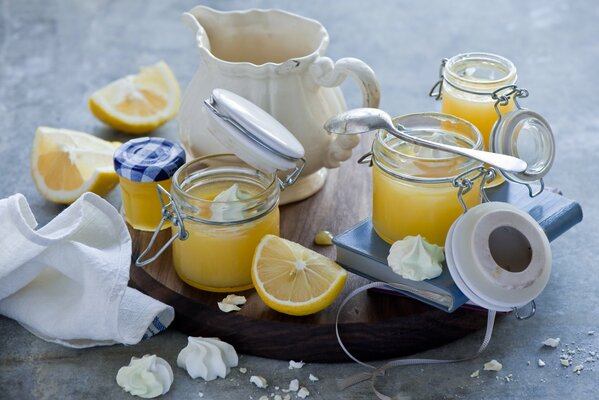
(343, 384)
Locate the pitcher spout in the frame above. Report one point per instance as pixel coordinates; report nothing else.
(192, 19)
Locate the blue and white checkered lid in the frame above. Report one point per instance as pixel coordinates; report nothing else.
(148, 159)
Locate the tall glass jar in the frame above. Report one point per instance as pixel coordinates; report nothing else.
(468, 82)
(413, 186)
(222, 233)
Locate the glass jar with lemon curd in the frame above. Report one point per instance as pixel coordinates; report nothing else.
(221, 206)
(416, 190)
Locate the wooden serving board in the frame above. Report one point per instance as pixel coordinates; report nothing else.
(373, 325)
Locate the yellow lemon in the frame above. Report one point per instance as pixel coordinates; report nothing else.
(138, 103)
(65, 164)
(295, 280)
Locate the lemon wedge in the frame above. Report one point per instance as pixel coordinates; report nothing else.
(295, 280)
(65, 164)
(138, 103)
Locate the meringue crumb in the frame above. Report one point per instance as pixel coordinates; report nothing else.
(259, 381)
(303, 393)
(243, 370)
(231, 303)
(234, 299)
(475, 374)
(551, 342)
(508, 378)
(224, 307)
(313, 378)
(278, 397)
(276, 388)
(493, 365)
(540, 363)
(200, 394)
(294, 385)
(296, 364)
(577, 369)
(590, 333)
(565, 363)
(287, 397)
(263, 398)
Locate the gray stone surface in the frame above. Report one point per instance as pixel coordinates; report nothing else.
(54, 54)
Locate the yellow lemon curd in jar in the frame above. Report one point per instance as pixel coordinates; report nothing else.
(218, 257)
(478, 110)
(417, 205)
(141, 205)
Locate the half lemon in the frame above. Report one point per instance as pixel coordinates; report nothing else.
(65, 164)
(138, 103)
(295, 280)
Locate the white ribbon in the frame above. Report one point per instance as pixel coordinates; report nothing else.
(342, 384)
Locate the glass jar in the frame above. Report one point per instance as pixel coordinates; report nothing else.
(142, 164)
(221, 206)
(413, 186)
(468, 83)
(222, 235)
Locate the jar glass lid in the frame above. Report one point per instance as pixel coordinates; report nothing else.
(527, 135)
(252, 134)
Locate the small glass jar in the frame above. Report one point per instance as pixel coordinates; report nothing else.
(142, 164)
(222, 235)
(469, 80)
(413, 186)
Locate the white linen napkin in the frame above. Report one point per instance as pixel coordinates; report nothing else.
(67, 281)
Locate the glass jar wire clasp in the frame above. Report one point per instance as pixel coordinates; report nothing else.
(170, 212)
(465, 181)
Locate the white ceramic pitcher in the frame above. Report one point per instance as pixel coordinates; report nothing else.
(276, 60)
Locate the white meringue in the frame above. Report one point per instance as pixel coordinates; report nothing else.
(227, 205)
(415, 259)
(147, 377)
(207, 358)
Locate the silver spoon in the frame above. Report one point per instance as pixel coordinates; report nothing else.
(362, 120)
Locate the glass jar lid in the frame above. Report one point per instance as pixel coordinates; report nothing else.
(252, 134)
(148, 159)
(527, 135)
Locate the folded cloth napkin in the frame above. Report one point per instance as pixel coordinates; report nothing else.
(67, 282)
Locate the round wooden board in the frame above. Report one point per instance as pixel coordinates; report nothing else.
(373, 325)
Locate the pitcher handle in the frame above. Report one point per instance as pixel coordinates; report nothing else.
(327, 73)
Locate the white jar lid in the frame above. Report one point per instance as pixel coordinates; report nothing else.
(526, 135)
(252, 134)
(498, 256)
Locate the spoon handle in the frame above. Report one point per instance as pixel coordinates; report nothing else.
(500, 161)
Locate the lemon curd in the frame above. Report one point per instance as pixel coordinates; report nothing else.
(141, 205)
(413, 192)
(223, 231)
(469, 81)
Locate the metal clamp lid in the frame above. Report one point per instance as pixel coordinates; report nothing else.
(254, 136)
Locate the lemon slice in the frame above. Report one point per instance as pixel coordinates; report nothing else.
(295, 280)
(65, 164)
(138, 103)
